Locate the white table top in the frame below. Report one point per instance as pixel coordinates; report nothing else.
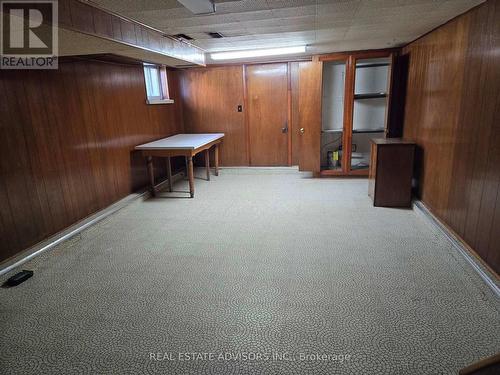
(181, 141)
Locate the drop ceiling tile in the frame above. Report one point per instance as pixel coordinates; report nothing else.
(159, 20)
(460, 6)
(349, 24)
(348, 7)
(134, 5)
(254, 15)
(289, 3)
(241, 6)
(152, 16)
(329, 32)
(294, 12)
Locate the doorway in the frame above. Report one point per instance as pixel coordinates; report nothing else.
(267, 92)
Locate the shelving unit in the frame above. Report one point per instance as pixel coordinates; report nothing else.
(370, 108)
(356, 92)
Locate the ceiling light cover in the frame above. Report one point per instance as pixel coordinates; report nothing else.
(199, 6)
(257, 53)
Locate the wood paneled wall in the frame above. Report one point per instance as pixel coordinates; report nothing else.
(453, 113)
(67, 140)
(210, 99)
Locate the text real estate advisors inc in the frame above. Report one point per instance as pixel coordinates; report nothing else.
(247, 356)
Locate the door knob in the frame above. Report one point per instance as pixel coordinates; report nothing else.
(302, 131)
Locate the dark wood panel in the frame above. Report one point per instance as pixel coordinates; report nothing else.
(211, 97)
(267, 90)
(396, 106)
(128, 32)
(103, 23)
(451, 111)
(67, 144)
(391, 170)
(483, 114)
(16, 170)
(64, 14)
(116, 28)
(81, 14)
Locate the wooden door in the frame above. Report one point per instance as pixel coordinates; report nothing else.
(267, 92)
(309, 126)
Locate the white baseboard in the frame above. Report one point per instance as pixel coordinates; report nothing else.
(76, 228)
(487, 277)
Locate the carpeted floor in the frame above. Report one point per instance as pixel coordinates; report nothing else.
(279, 273)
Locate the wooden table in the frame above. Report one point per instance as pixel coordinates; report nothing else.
(187, 145)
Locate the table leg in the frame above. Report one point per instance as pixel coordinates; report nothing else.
(151, 173)
(191, 175)
(169, 174)
(216, 157)
(187, 168)
(207, 163)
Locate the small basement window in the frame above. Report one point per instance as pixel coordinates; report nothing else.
(156, 84)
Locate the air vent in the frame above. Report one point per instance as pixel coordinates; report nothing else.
(215, 35)
(182, 36)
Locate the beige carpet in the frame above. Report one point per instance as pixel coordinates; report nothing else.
(279, 273)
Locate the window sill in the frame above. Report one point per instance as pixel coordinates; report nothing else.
(159, 101)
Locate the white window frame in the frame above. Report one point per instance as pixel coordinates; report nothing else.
(159, 74)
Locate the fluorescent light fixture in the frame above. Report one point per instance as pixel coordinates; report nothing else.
(199, 6)
(257, 53)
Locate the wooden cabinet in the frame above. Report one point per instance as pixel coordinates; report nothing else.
(355, 98)
(391, 171)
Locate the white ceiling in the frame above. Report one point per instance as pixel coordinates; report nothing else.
(323, 25)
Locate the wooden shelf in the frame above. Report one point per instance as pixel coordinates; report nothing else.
(332, 131)
(372, 65)
(373, 95)
(341, 173)
(331, 172)
(379, 130)
(359, 172)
